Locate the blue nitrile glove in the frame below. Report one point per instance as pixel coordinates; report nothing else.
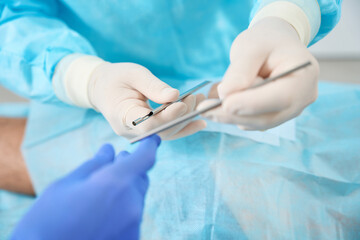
(102, 199)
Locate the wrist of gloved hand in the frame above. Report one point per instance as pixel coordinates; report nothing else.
(72, 77)
(305, 20)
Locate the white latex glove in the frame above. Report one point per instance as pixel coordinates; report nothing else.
(269, 48)
(120, 92)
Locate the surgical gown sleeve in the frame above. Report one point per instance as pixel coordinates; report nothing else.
(32, 41)
(322, 15)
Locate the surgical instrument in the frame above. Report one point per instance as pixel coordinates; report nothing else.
(162, 107)
(211, 106)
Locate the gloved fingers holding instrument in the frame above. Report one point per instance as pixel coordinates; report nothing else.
(266, 49)
(120, 91)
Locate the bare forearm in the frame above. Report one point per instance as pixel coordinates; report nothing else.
(13, 173)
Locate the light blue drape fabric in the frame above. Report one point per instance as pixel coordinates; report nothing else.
(216, 186)
(194, 192)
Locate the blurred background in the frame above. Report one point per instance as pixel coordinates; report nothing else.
(338, 53)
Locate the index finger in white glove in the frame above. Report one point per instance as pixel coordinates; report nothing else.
(275, 96)
(251, 122)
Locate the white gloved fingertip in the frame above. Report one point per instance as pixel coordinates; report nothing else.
(221, 91)
(170, 93)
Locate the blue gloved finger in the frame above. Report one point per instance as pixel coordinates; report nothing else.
(132, 232)
(142, 183)
(143, 158)
(133, 164)
(105, 153)
(122, 154)
(104, 156)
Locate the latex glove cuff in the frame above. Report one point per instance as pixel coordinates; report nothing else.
(306, 27)
(72, 76)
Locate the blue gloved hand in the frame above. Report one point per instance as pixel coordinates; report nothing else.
(102, 199)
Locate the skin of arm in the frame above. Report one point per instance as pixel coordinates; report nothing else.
(14, 176)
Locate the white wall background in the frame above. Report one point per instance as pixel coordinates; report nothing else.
(344, 41)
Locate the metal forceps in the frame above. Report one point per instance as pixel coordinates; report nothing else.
(162, 107)
(212, 106)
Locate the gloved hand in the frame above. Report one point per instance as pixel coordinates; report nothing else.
(270, 47)
(102, 199)
(120, 91)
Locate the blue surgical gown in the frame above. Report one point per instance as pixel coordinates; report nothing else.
(192, 191)
(173, 39)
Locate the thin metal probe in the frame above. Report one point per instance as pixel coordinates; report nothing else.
(162, 107)
(176, 121)
(212, 106)
(270, 79)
